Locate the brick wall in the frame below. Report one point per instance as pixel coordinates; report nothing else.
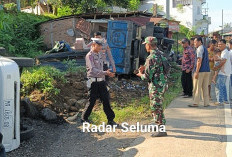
(57, 30)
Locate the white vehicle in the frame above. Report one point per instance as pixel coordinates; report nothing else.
(9, 103)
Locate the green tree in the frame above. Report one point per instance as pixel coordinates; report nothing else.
(134, 4)
(92, 6)
(55, 5)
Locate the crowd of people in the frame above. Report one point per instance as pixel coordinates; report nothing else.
(207, 72)
(204, 72)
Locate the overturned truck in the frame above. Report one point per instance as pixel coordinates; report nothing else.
(124, 37)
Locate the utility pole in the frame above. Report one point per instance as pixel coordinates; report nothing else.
(168, 9)
(18, 5)
(222, 25)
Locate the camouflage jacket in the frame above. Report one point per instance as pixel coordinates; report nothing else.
(154, 71)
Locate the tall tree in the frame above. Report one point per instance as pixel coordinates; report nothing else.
(55, 5)
(134, 5)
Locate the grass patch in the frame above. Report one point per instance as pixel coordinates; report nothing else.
(174, 89)
(133, 111)
(42, 79)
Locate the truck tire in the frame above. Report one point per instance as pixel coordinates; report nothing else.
(26, 133)
(23, 61)
(159, 35)
(167, 41)
(158, 29)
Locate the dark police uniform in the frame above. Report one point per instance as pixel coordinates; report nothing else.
(97, 86)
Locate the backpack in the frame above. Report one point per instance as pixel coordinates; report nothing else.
(166, 66)
(165, 63)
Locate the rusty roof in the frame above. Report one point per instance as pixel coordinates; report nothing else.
(156, 20)
(227, 34)
(140, 21)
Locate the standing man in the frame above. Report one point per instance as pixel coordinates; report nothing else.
(211, 51)
(230, 92)
(97, 84)
(192, 43)
(187, 67)
(153, 71)
(201, 74)
(222, 84)
(106, 53)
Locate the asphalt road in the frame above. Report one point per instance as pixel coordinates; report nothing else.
(192, 132)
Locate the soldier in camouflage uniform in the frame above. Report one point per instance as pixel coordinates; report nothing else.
(154, 72)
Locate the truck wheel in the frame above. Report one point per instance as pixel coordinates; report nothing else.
(159, 35)
(26, 133)
(158, 29)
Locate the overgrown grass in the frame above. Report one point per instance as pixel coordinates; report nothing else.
(72, 67)
(42, 79)
(139, 109)
(19, 35)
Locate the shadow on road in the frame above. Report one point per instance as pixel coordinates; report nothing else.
(68, 140)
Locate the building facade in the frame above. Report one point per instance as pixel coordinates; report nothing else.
(189, 12)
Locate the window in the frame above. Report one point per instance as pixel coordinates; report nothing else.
(198, 10)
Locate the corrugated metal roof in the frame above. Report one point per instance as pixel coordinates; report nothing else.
(230, 33)
(140, 21)
(156, 20)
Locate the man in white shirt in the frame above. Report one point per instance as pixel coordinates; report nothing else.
(230, 82)
(223, 85)
(201, 74)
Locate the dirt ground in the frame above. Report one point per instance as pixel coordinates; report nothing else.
(68, 140)
(62, 139)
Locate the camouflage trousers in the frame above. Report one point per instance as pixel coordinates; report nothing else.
(156, 102)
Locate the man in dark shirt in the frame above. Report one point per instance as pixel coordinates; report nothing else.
(187, 67)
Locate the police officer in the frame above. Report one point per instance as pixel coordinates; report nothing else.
(96, 83)
(154, 72)
(106, 53)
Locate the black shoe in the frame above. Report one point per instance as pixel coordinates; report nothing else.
(159, 134)
(113, 123)
(85, 121)
(1, 137)
(183, 94)
(187, 96)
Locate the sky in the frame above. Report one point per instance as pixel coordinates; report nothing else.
(215, 12)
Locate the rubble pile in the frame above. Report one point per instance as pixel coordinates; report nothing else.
(124, 90)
